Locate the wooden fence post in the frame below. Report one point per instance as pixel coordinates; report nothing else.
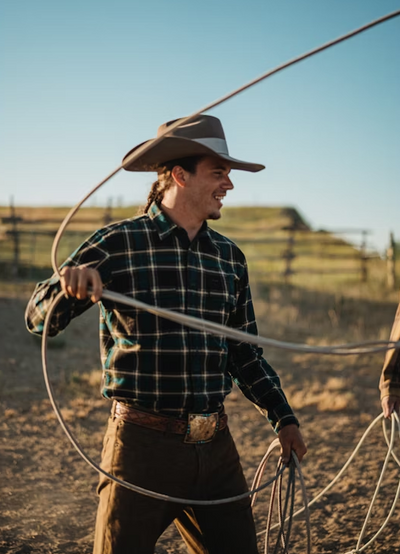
(33, 253)
(15, 237)
(289, 254)
(107, 217)
(391, 263)
(364, 257)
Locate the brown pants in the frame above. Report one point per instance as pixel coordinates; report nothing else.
(128, 522)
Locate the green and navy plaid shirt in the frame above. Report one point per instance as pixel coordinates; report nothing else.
(155, 363)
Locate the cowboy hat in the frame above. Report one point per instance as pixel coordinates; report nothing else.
(203, 136)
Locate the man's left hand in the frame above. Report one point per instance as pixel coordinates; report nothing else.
(291, 439)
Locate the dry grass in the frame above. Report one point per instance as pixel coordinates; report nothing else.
(48, 503)
(329, 383)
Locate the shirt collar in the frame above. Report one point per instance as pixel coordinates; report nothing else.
(165, 226)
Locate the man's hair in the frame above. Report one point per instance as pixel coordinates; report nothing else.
(165, 180)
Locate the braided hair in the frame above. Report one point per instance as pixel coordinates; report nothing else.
(165, 180)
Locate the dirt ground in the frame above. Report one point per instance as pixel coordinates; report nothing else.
(48, 500)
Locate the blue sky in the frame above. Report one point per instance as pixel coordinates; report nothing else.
(82, 82)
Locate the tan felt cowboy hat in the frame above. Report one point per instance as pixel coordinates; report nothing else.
(202, 136)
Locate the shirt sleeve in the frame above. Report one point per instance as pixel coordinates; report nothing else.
(250, 371)
(92, 253)
(389, 383)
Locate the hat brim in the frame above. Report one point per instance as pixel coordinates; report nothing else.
(172, 148)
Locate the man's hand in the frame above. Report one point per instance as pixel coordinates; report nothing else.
(75, 281)
(390, 404)
(291, 439)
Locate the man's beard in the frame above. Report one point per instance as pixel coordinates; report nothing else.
(214, 215)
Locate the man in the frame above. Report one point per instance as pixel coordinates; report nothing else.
(167, 430)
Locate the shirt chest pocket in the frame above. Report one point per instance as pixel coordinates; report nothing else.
(219, 299)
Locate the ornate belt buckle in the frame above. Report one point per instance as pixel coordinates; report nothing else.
(201, 428)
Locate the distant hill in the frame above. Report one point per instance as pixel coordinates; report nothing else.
(259, 219)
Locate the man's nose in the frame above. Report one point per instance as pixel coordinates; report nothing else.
(227, 184)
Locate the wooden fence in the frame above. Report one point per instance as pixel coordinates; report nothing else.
(25, 243)
(298, 250)
(286, 251)
(301, 243)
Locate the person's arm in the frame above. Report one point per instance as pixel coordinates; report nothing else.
(87, 267)
(389, 383)
(258, 380)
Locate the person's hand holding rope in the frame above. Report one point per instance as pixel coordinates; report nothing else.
(291, 440)
(390, 404)
(76, 281)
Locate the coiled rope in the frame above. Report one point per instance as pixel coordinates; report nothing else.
(359, 348)
(395, 425)
(290, 494)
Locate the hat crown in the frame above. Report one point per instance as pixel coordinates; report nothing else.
(203, 126)
(202, 136)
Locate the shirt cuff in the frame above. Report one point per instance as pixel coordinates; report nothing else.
(389, 389)
(282, 415)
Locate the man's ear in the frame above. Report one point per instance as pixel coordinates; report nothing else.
(178, 175)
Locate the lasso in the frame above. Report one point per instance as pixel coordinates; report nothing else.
(203, 325)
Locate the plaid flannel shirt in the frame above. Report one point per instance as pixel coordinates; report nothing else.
(155, 363)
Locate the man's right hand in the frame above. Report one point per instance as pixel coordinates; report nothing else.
(75, 281)
(390, 404)
(291, 439)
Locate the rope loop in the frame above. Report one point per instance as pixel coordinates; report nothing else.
(360, 348)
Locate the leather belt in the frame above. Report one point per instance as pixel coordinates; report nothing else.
(157, 421)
